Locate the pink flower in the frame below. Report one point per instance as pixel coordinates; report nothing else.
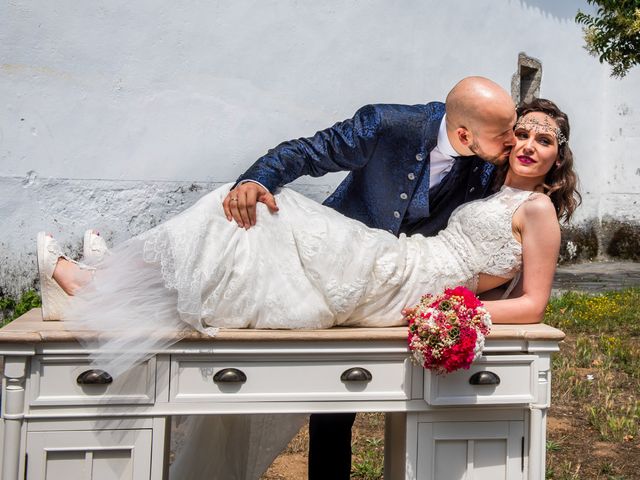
(446, 331)
(471, 301)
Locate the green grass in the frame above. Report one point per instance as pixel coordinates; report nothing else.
(565, 471)
(369, 460)
(596, 375)
(368, 447)
(607, 328)
(11, 308)
(615, 422)
(608, 312)
(553, 446)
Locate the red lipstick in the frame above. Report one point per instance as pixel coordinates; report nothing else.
(525, 160)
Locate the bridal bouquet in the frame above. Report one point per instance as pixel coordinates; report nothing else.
(446, 331)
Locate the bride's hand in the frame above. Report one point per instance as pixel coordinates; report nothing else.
(408, 311)
(240, 203)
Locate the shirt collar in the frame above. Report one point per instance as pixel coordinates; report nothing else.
(444, 145)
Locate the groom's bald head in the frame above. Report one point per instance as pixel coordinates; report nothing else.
(480, 118)
(477, 100)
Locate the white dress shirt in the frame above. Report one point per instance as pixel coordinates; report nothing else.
(442, 156)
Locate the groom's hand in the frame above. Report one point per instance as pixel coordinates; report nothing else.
(240, 203)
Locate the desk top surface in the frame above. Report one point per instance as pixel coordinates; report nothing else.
(29, 328)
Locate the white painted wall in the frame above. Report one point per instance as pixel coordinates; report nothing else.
(618, 167)
(130, 101)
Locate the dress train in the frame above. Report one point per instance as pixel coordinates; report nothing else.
(230, 447)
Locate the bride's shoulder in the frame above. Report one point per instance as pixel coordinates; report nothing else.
(538, 206)
(537, 214)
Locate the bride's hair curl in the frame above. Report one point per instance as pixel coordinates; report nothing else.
(561, 182)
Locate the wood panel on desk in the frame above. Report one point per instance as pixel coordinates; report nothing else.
(29, 328)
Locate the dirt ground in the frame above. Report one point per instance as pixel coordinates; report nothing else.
(581, 455)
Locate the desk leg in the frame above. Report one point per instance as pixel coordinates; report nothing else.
(395, 439)
(538, 421)
(160, 448)
(14, 372)
(537, 443)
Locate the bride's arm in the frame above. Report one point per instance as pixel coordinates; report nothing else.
(540, 234)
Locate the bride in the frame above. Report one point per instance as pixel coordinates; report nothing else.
(310, 267)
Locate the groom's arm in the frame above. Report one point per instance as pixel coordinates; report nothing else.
(346, 146)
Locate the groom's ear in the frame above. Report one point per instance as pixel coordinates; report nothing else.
(464, 136)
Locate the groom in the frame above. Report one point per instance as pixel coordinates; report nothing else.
(410, 167)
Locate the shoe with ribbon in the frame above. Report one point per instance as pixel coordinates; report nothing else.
(94, 247)
(54, 298)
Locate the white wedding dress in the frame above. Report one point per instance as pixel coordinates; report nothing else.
(306, 266)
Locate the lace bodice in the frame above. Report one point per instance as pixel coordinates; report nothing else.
(478, 240)
(481, 233)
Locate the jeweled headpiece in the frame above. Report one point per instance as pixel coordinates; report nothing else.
(541, 127)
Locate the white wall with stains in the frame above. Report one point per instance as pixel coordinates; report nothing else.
(618, 165)
(117, 114)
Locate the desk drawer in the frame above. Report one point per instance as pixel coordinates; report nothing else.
(516, 374)
(55, 382)
(193, 380)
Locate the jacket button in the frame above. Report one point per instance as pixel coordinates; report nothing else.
(411, 176)
(420, 157)
(475, 169)
(404, 196)
(396, 214)
(472, 189)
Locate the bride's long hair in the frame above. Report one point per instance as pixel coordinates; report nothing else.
(561, 182)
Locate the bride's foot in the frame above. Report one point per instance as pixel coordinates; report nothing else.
(59, 277)
(70, 275)
(94, 247)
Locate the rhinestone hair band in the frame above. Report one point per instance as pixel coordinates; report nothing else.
(541, 127)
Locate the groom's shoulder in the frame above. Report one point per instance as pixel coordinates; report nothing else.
(430, 109)
(395, 114)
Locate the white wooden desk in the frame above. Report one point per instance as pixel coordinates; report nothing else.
(438, 427)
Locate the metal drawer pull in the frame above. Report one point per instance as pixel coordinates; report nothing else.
(230, 375)
(356, 374)
(94, 377)
(484, 378)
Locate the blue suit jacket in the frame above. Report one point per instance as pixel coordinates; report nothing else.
(386, 149)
